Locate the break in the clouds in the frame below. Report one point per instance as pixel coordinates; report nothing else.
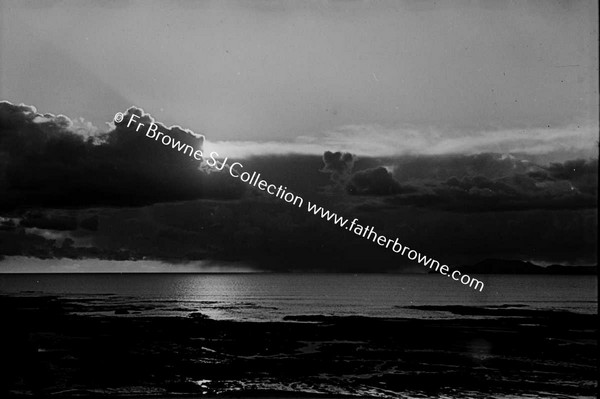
(562, 142)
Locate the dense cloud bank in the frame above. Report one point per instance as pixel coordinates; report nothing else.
(70, 190)
(50, 161)
(470, 183)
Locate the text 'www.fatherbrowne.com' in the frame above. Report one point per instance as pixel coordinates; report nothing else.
(217, 162)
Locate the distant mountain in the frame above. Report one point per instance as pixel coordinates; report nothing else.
(506, 266)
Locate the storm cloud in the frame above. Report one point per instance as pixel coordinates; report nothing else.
(48, 160)
(375, 181)
(481, 183)
(72, 191)
(339, 166)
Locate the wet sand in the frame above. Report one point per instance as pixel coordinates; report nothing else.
(51, 347)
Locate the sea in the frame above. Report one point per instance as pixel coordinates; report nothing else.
(272, 296)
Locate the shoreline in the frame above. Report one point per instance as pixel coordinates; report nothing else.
(51, 351)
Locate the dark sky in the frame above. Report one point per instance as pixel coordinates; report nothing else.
(468, 130)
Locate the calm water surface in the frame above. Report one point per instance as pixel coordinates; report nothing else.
(273, 296)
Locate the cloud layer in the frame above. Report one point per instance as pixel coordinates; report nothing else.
(69, 190)
(48, 160)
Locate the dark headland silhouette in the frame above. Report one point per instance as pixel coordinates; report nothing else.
(507, 266)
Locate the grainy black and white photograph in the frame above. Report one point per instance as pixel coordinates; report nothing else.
(310, 199)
